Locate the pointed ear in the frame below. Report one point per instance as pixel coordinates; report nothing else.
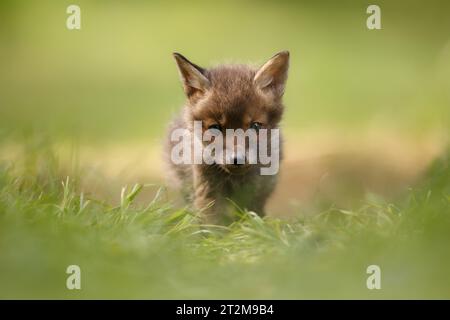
(273, 74)
(193, 77)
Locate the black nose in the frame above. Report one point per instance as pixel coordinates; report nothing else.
(238, 160)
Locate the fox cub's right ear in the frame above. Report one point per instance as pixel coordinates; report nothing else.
(193, 77)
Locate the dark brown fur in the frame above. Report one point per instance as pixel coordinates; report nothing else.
(231, 96)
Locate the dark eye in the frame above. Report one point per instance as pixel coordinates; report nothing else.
(215, 126)
(255, 126)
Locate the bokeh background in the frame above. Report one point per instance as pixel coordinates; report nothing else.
(367, 110)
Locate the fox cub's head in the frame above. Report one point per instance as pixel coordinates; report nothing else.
(234, 97)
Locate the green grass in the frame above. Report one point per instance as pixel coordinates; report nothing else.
(160, 251)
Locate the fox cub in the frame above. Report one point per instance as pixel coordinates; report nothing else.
(222, 99)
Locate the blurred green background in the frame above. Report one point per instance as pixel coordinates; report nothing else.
(116, 80)
(377, 101)
(368, 112)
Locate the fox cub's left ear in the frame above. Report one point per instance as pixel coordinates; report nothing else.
(194, 78)
(273, 74)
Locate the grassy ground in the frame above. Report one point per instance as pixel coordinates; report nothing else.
(158, 251)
